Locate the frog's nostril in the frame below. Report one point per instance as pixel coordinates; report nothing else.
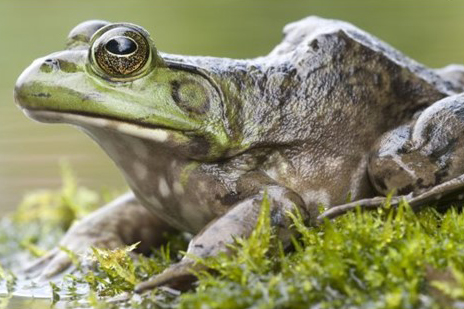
(50, 61)
(50, 65)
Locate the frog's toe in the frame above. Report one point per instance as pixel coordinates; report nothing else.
(60, 262)
(178, 276)
(365, 204)
(48, 266)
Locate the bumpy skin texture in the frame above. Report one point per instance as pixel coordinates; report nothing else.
(201, 139)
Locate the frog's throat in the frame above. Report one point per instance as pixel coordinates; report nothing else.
(156, 134)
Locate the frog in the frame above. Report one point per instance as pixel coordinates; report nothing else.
(330, 118)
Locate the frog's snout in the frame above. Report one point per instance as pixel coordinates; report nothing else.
(35, 85)
(24, 89)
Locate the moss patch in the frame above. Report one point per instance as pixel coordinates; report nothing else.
(390, 258)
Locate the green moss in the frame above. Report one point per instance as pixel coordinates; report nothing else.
(390, 258)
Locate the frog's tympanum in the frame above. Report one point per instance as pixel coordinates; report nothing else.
(331, 113)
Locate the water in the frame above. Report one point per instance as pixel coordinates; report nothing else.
(431, 31)
(38, 298)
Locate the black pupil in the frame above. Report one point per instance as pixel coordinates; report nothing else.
(121, 46)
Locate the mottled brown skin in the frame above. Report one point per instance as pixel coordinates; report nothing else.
(308, 124)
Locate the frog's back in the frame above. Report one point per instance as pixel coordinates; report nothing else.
(329, 74)
(301, 37)
(331, 91)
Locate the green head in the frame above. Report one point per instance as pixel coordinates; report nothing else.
(112, 76)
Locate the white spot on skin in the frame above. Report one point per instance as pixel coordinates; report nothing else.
(284, 167)
(140, 149)
(272, 173)
(202, 186)
(316, 197)
(178, 188)
(140, 170)
(173, 164)
(163, 187)
(155, 203)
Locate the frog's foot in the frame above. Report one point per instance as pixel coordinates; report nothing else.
(445, 193)
(120, 223)
(216, 237)
(77, 241)
(178, 276)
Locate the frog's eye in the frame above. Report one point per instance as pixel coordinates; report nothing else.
(121, 52)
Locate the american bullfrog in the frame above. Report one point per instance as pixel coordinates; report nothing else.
(330, 114)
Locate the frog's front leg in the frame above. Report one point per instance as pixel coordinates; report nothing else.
(122, 222)
(239, 221)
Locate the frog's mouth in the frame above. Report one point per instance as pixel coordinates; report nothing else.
(144, 131)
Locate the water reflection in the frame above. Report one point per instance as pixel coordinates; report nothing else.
(14, 302)
(39, 294)
(27, 295)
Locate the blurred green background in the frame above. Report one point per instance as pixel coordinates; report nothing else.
(431, 31)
